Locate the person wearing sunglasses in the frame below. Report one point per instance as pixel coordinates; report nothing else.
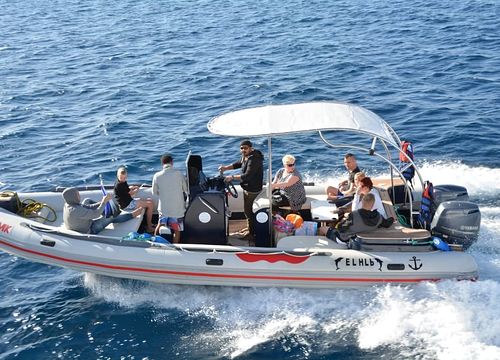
(287, 185)
(251, 179)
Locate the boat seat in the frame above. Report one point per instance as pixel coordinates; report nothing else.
(307, 243)
(395, 232)
(386, 201)
(122, 229)
(112, 230)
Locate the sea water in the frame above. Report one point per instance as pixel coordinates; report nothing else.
(88, 86)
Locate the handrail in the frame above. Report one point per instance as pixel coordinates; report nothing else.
(387, 159)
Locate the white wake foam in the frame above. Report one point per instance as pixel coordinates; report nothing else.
(446, 320)
(429, 321)
(477, 179)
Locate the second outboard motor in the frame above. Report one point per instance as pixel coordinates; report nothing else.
(444, 193)
(457, 222)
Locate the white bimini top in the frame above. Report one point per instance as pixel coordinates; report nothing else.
(272, 120)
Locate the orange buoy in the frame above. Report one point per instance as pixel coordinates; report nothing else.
(295, 219)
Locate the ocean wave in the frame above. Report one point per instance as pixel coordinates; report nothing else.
(429, 320)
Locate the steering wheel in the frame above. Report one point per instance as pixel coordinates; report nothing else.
(230, 189)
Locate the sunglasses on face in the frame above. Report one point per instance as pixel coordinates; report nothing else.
(244, 148)
(290, 165)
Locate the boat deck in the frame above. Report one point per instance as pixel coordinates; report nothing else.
(234, 227)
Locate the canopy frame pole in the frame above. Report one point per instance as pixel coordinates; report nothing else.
(269, 190)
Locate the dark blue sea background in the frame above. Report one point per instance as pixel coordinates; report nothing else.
(86, 86)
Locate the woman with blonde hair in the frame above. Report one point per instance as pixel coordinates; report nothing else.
(289, 182)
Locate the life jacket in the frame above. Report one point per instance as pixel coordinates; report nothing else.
(426, 206)
(408, 171)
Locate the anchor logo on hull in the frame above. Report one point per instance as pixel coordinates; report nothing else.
(417, 263)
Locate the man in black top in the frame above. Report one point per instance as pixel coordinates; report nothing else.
(252, 172)
(346, 187)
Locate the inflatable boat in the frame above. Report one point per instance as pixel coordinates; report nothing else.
(211, 253)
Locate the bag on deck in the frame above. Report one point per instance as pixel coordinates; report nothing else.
(283, 226)
(9, 200)
(308, 228)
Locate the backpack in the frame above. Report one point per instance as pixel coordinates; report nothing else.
(426, 206)
(406, 168)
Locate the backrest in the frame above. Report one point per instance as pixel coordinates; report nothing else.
(386, 200)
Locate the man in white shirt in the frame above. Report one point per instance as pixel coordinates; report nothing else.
(170, 185)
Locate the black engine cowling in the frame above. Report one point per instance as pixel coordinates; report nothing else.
(457, 222)
(449, 193)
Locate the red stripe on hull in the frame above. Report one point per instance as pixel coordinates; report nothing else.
(213, 275)
(272, 258)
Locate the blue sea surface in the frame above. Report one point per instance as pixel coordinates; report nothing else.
(86, 86)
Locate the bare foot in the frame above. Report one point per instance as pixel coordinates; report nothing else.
(137, 212)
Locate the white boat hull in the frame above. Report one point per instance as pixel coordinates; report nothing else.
(298, 261)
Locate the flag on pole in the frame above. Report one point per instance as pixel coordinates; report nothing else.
(108, 211)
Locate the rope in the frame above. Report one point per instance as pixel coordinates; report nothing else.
(401, 218)
(31, 209)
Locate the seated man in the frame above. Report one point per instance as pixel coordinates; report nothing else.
(361, 220)
(346, 187)
(86, 217)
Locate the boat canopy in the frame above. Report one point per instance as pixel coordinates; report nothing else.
(272, 120)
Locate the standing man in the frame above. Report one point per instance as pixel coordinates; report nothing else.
(252, 173)
(346, 187)
(170, 186)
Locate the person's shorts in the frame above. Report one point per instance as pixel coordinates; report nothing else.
(175, 224)
(132, 206)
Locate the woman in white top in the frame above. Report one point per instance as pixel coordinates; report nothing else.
(365, 187)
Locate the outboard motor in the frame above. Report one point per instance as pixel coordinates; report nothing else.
(457, 222)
